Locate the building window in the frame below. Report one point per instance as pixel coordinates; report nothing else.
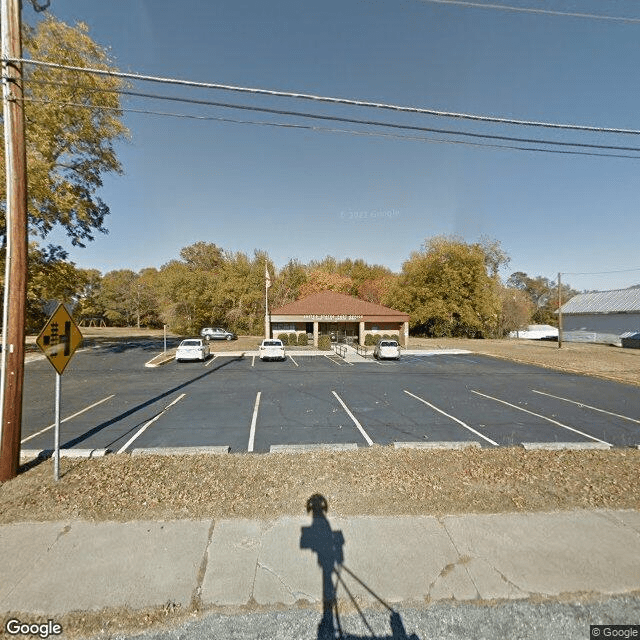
(283, 326)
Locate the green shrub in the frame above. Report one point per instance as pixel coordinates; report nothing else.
(370, 340)
(324, 343)
(303, 340)
(284, 337)
(293, 339)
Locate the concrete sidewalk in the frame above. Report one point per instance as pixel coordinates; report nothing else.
(59, 567)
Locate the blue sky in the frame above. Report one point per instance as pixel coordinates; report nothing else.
(307, 194)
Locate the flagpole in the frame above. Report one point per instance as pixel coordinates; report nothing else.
(267, 284)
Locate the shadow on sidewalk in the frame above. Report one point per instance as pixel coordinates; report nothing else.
(328, 544)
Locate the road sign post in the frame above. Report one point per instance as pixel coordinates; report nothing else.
(58, 340)
(56, 433)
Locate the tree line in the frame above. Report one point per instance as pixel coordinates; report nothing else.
(449, 287)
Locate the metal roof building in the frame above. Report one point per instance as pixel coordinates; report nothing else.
(602, 316)
(616, 301)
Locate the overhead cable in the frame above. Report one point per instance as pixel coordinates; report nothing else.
(374, 123)
(598, 273)
(533, 10)
(325, 99)
(379, 134)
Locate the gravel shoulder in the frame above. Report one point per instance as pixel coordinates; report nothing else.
(371, 481)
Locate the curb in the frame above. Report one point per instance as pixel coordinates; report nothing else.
(561, 446)
(297, 448)
(462, 444)
(159, 360)
(180, 451)
(31, 454)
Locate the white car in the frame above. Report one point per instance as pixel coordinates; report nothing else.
(272, 349)
(192, 349)
(387, 349)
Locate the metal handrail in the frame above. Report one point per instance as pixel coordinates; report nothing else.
(340, 349)
(361, 350)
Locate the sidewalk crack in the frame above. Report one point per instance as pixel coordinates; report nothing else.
(296, 595)
(196, 598)
(462, 561)
(62, 532)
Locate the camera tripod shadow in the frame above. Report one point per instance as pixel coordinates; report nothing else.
(328, 544)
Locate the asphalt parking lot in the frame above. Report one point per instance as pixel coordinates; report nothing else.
(111, 401)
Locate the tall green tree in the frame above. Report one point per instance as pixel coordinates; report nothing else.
(447, 290)
(72, 121)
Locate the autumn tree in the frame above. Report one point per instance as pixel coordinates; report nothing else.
(447, 290)
(90, 305)
(72, 121)
(515, 310)
(320, 280)
(52, 280)
(288, 283)
(543, 294)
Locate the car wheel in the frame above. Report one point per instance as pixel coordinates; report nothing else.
(228, 337)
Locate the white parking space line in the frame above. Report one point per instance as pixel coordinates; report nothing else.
(587, 406)
(330, 359)
(148, 424)
(463, 424)
(355, 420)
(294, 362)
(254, 419)
(559, 424)
(253, 360)
(210, 360)
(77, 413)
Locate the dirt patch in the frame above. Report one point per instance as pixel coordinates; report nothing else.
(369, 481)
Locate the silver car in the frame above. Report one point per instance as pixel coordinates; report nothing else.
(387, 349)
(192, 349)
(217, 333)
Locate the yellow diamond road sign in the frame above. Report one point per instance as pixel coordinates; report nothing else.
(60, 338)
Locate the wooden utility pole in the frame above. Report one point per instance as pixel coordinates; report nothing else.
(17, 243)
(559, 311)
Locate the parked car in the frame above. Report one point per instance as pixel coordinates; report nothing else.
(387, 349)
(192, 349)
(272, 349)
(216, 333)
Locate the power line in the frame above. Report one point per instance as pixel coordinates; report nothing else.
(598, 273)
(334, 130)
(326, 99)
(546, 12)
(315, 116)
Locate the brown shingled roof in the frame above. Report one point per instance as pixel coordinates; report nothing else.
(333, 303)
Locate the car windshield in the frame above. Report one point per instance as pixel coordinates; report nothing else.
(389, 344)
(272, 343)
(190, 343)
